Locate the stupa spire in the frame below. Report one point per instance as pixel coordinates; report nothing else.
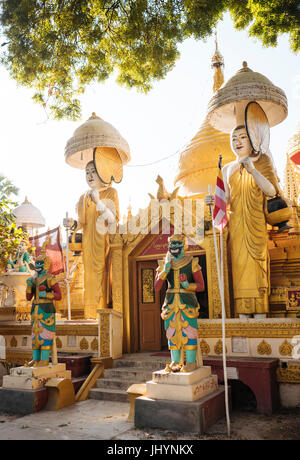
(198, 161)
(217, 64)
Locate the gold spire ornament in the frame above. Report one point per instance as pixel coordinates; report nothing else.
(198, 161)
(217, 63)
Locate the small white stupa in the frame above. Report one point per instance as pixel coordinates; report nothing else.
(28, 217)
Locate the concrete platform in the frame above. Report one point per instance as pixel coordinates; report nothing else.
(192, 417)
(24, 402)
(28, 401)
(34, 378)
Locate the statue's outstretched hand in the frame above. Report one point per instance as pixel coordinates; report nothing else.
(42, 292)
(94, 194)
(183, 281)
(248, 164)
(168, 260)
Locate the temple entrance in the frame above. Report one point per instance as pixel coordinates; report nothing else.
(146, 328)
(152, 335)
(149, 305)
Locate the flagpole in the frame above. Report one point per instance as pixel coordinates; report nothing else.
(215, 240)
(67, 277)
(220, 273)
(224, 335)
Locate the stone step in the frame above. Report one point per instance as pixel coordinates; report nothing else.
(109, 394)
(154, 365)
(115, 384)
(126, 371)
(137, 375)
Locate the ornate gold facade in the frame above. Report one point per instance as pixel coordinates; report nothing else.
(197, 169)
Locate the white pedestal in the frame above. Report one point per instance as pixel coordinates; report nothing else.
(33, 378)
(189, 386)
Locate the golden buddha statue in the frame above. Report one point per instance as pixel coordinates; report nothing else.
(246, 106)
(97, 147)
(248, 181)
(97, 210)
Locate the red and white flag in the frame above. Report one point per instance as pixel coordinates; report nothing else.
(219, 213)
(53, 249)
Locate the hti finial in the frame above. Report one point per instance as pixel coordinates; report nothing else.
(94, 116)
(217, 63)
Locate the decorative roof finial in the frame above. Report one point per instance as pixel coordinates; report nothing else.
(94, 116)
(217, 63)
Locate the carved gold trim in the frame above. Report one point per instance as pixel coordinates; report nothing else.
(104, 335)
(13, 342)
(58, 343)
(22, 329)
(94, 345)
(205, 348)
(255, 330)
(286, 349)
(61, 329)
(86, 330)
(219, 347)
(84, 344)
(6, 310)
(263, 348)
(18, 358)
(291, 374)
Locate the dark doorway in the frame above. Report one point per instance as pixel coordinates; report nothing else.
(242, 397)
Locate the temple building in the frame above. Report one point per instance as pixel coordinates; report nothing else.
(132, 323)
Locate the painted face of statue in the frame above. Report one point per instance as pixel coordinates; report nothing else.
(92, 177)
(176, 249)
(240, 143)
(22, 246)
(39, 266)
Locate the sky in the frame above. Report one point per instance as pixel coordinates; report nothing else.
(156, 125)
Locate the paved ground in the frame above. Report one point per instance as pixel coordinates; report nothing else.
(105, 420)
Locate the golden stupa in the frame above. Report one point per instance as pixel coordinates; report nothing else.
(198, 162)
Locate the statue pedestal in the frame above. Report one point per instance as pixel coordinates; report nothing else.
(24, 390)
(184, 402)
(182, 416)
(187, 386)
(22, 402)
(34, 378)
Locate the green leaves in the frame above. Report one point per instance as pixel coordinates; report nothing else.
(7, 188)
(268, 19)
(10, 236)
(58, 47)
